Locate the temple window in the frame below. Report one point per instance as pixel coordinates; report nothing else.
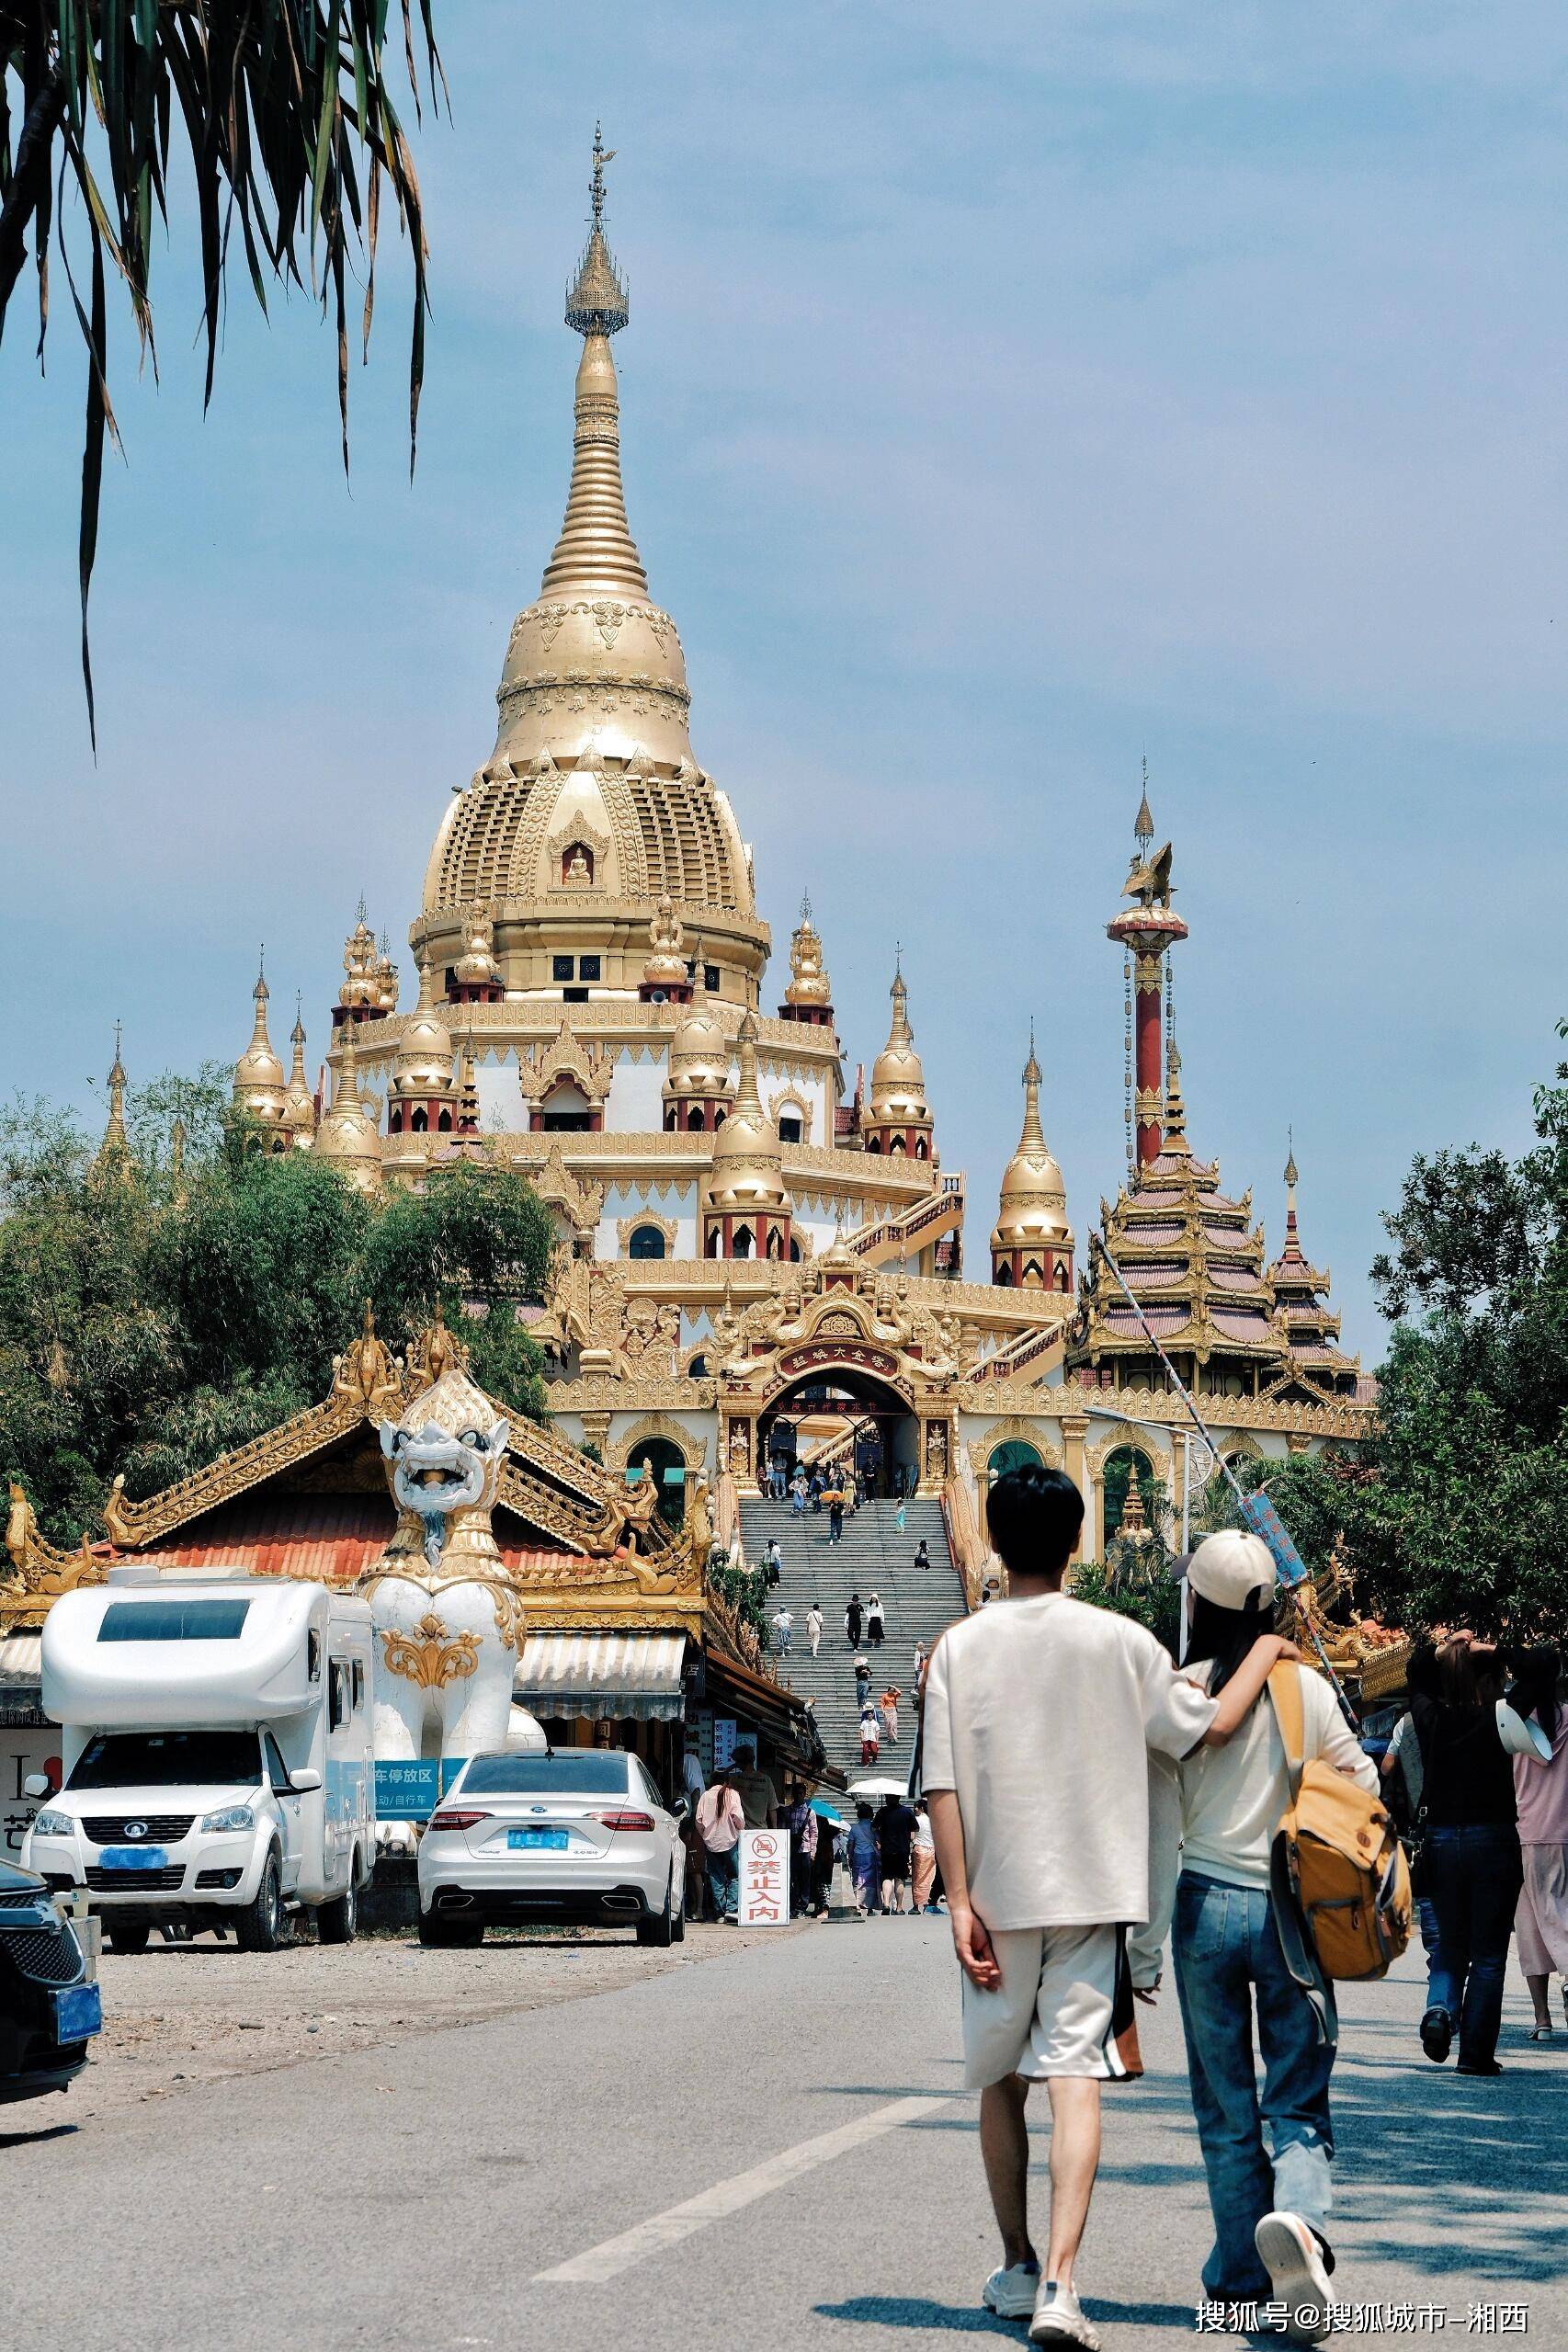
(897, 1144)
(694, 1119)
(647, 1240)
(714, 1243)
(920, 1147)
(669, 1119)
(1002, 1278)
(720, 1116)
(774, 1244)
(741, 1243)
(794, 1253)
(788, 1131)
(588, 967)
(419, 1123)
(562, 967)
(1059, 1281)
(874, 1142)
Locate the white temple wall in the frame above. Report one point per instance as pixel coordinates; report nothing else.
(501, 1106)
(635, 1105)
(664, 1201)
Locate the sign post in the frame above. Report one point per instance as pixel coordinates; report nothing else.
(764, 1879)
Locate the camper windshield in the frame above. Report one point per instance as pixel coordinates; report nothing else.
(578, 1772)
(166, 1760)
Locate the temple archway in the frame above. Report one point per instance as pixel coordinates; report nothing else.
(838, 1414)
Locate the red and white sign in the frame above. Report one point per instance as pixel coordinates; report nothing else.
(765, 1878)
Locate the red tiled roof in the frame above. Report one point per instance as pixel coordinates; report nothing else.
(333, 1536)
(1238, 1326)
(1162, 1320)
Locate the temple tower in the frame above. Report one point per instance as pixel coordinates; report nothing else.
(1147, 931)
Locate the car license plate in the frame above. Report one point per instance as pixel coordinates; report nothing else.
(532, 1841)
(134, 1858)
(78, 2012)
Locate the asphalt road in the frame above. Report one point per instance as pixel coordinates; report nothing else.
(800, 2100)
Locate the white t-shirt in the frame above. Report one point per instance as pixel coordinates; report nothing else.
(1218, 1811)
(1233, 1797)
(1039, 1715)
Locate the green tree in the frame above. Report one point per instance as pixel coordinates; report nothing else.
(151, 1318)
(280, 110)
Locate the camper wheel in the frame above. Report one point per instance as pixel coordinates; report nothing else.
(259, 1926)
(129, 1938)
(336, 1920)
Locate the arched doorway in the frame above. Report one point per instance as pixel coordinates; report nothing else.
(666, 1468)
(837, 1415)
(1015, 1454)
(1120, 1470)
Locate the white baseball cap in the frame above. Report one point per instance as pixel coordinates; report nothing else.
(1230, 1568)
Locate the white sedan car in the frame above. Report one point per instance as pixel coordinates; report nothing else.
(576, 1834)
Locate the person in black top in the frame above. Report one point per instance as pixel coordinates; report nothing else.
(895, 1832)
(1468, 1740)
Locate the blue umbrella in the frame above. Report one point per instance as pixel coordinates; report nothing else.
(825, 1813)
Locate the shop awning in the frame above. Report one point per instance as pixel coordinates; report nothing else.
(603, 1676)
(21, 1661)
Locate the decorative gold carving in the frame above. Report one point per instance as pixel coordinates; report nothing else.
(690, 1448)
(591, 1068)
(436, 1659)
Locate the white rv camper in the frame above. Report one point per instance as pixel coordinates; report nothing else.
(218, 1766)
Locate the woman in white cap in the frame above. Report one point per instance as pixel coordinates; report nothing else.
(1268, 2217)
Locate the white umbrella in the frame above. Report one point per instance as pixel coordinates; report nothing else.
(878, 1785)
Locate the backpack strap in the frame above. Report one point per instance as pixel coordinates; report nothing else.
(1285, 1697)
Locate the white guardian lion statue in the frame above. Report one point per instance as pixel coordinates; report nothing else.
(448, 1617)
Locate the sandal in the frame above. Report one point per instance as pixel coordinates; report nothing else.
(1543, 2033)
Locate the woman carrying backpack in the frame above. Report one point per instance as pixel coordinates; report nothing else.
(1269, 2207)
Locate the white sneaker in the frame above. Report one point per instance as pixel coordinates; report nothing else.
(1059, 2318)
(1293, 2256)
(1010, 2293)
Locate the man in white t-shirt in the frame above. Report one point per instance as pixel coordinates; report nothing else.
(1040, 1715)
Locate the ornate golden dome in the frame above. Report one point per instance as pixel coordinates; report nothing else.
(809, 982)
(258, 1073)
(698, 1051)
(299, 1102)
(592, 786)
(898, 1079)
(347, 1137)
(747, 1171)
(424, 1063)
(1033, 1206)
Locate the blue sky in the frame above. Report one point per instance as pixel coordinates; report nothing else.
(1009, 391)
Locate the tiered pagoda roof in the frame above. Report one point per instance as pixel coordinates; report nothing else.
(1194, 1260)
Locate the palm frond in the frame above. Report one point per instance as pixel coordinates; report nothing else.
(281, 108)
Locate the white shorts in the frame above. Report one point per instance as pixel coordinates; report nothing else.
(1064, 2007)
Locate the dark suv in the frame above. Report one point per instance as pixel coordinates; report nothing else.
(48, 2010)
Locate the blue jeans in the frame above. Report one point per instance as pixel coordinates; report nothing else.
(1426, 1916)
(1473, 1877)
(1227, 1954)
(724, 1881)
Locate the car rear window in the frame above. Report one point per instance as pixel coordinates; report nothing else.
(578, 1772)
(172, 1621)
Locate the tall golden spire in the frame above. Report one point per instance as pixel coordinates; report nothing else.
(1173, 1144)
(595, 550)
(348, 1136)
(898, 1075)
(258, 1073)
(299, 1101)
(115, 1138)
(1031, 1213)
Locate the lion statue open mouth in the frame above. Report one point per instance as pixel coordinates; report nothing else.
(441, 1466)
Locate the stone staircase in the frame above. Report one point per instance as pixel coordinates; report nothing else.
(917, 1604)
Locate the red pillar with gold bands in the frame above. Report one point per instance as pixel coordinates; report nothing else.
(1148, 931)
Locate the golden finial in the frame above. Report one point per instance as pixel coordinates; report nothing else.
(1144, 824)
